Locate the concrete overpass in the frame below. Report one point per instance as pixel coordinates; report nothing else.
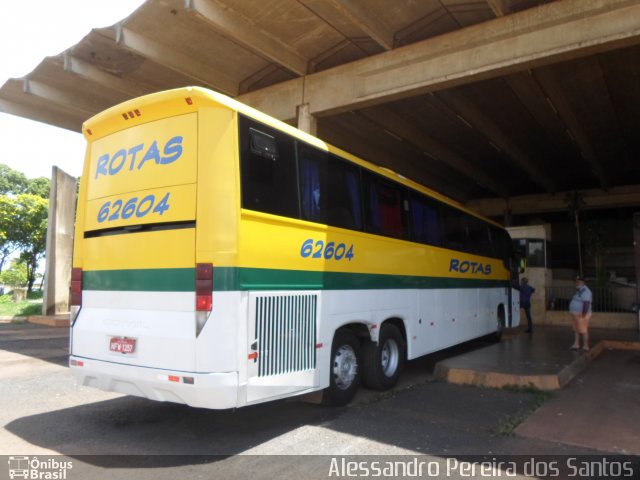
(488, 99)
(501, 104)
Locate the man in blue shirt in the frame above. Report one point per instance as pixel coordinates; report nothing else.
(526, 291)
(580, 309)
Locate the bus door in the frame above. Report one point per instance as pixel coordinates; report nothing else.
(282, 341)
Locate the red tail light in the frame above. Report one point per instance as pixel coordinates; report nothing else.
(75, 295)
(204, 287)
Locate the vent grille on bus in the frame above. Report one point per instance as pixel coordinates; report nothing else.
(286, 333)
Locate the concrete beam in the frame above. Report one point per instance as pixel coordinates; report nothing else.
(616, 197)
(197, 69)
(67, 99)
(495, 135)
(556, 95)
(58, 117)
(338, 134)
(548, 34)
(403, 128)
(89, 72)
(280, 100)
(245, 33)
(362, 18)
(247, 84)
(306, 121)
(500, 7)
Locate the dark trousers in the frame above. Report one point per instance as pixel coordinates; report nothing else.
(527, 312)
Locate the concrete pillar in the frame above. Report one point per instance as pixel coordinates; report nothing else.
(306, 121)
(57, 274)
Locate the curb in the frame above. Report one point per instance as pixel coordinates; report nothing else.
(461, 376)
(58, 321)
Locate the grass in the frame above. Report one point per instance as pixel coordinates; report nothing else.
(31, 306)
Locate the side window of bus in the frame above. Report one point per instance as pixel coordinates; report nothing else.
(456, 229)
(425, 220)
(329, 189)
(344, 205)
(480, 241)
(268, 170)
(384, 207)
(312, 164)
(501, 243)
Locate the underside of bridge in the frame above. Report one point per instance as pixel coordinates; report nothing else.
(504, 105)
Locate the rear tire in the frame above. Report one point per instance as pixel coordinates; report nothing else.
(382, 363)
(344, 370)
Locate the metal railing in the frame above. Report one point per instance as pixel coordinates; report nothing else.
(608, 299)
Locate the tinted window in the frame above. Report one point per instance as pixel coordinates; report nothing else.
(329, 189)
(501, 243)
(384, 206)
(268, 170)
(479, 239)
(425, 220)
(456, 229)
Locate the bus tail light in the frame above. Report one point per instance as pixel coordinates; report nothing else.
(75, 294)
(204, 287)
(75, 297)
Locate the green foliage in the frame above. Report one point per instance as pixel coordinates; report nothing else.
(12, 181)
(32, 215)
(24, 212)
(31, 306)
(39, 186)
(8, 239)
(16, 275)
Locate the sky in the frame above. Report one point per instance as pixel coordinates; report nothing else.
(29, 31)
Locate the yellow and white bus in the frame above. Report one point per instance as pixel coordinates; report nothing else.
(224, 258)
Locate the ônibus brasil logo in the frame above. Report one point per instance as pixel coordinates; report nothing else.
(38, 469)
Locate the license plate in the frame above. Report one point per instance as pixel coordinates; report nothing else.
(122, 345)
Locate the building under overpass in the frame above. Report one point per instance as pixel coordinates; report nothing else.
(504, 105)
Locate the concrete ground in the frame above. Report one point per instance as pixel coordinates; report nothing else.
(599, 405)
(107, 435)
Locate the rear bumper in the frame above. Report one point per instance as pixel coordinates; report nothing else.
(209, 390)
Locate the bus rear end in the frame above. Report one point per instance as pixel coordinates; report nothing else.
(141, 288)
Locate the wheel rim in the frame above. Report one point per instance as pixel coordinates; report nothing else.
(345, 367)
(500, 324)
(390, 357)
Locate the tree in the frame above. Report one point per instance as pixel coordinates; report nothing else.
(15, 275)
(23, 219)
(12, 181)
(38, 186)
(32, 214)
(8, 239)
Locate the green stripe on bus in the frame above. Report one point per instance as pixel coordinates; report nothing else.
(232, 279)
(144, 280)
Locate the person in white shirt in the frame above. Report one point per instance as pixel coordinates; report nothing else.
(580, 309)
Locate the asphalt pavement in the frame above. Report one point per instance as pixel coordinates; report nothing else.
(43, 413)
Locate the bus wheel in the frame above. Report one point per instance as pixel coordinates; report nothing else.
(344, 370)
(383, 362)
(497, 336)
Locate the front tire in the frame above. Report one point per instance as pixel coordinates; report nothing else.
(344, 370)
(383, 362)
